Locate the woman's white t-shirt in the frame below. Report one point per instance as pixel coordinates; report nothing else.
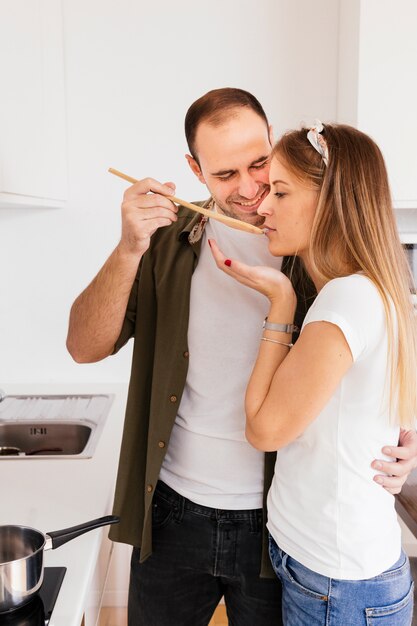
(324, 509)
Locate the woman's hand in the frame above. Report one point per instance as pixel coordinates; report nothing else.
(267, 280)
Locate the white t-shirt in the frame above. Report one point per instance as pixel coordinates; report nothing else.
(324, 508)
(208, 459)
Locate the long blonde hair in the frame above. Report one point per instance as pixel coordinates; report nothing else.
(355, 222)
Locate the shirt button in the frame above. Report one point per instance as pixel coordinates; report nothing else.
(173, 398)
(149, 488)
(186, 354)
(161, 444)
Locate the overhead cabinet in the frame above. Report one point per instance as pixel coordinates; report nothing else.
(33, 146)
(378, 87)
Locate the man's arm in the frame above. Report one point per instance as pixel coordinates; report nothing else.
(405, 455)
(97, 314)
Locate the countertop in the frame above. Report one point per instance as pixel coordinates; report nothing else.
(52, 494)
(406, 503)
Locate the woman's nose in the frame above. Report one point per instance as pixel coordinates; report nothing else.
(263, 207)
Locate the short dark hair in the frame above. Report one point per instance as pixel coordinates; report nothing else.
(217, 106)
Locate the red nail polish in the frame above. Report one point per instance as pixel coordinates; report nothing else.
(228, 262)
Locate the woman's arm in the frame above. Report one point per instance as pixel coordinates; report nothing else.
(287, 389)
(297, 386)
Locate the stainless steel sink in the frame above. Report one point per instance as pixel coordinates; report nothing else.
(44, 438)
(52, 426)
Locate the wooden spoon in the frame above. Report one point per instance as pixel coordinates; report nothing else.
(225, 219)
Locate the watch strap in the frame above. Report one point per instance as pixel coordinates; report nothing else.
(280, 328)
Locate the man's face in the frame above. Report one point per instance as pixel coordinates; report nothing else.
(234, 163)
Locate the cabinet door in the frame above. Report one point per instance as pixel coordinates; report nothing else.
(387, 80)
(33, 155)
(378, 87)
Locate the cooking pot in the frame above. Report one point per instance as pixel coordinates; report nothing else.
(30, 614)
(21, 558)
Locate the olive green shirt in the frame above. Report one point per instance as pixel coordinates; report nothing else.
(157, 317)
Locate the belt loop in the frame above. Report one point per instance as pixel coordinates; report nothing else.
(253, 521)
(179, 508)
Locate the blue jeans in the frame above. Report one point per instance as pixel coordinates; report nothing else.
(199, 555)
(310, 599)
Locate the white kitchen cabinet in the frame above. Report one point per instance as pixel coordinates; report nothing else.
(33, 151)
(377, 88)
(94, 596)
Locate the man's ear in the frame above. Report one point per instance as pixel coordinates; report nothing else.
(195, 168)
(271, 135)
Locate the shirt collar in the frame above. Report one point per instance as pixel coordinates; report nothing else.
(194, 230)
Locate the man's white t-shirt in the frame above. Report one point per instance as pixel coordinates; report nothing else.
(324, 509)
(208, 459)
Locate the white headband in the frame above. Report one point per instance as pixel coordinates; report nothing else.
(318, 141)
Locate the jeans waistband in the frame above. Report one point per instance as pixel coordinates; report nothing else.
(253, 516)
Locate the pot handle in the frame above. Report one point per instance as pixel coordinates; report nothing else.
(59, 537)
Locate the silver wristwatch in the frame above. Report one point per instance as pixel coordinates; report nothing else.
(281, 328)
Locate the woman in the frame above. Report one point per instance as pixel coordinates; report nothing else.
(329, 403)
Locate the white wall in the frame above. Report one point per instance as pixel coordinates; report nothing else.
(132, 70)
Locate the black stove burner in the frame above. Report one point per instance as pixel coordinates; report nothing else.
(38, 611)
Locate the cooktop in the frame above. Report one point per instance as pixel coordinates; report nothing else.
(38, 611)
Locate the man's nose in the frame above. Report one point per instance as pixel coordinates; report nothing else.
(248, 187)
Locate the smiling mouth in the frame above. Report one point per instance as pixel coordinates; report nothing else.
(252, 204)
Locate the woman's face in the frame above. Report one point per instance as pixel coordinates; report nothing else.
(289, 211)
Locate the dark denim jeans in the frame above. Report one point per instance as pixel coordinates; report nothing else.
(199, 555)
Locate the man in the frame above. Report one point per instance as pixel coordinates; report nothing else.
(190, 488)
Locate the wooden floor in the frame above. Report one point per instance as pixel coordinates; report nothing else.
(113, 616)
(219, 618)
(110, 616)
